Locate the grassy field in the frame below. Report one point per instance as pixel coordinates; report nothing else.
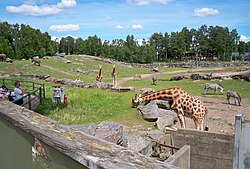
(94, 105)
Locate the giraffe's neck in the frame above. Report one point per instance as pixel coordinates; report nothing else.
(113, 72)
(100, 72)
(166, 94)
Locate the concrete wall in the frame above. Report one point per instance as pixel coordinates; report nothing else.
(29, 140)
(208, 150)
(181, 158)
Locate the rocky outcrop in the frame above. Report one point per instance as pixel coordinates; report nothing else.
(158, 111)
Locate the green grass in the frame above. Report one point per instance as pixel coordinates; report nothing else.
(95, 105)
(91, 106)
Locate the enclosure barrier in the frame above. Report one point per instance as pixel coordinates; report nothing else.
(208, 150)
(241, 144)
(33, 89)
(30, 140)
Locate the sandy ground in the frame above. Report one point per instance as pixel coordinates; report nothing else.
(221, 116)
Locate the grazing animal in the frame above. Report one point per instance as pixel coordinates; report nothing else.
(2, 57)
(154, 80)
(137, 77)
(8, 60)
(235, 95)
(99, 75)
(214, 87)
(36, 61)
(181, 102)
(114, 76)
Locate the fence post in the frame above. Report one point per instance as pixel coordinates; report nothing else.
(43, 91)
(238, 127)
(33, 85)
(29, 101)
(40, 94)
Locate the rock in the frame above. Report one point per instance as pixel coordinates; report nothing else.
(86, 128)
(146, 91)
(163, 104)
(139, 144)
(50, 79)
(155, 135)
(150, 112)
(204, 76)
(155, 69)
(110, 131)
(177, 77)
(167, 118)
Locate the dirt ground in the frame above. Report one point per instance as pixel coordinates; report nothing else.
(221, 116)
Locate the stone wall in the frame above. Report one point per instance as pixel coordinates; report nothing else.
(46, 143)
(183, 64)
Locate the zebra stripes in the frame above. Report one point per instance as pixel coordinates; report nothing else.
(214, 87)
(235, 95)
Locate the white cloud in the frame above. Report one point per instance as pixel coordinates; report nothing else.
(66, 4)
(121, 27)
(147, 2)
(205, 11)
(108, 18)
(29, 9)
(134, 27)
(33, 10)
(244, 38)
(64, 28)
(56, 39)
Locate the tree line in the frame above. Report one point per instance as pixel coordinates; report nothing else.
(205, 43)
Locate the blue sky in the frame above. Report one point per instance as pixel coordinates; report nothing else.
(115, 19)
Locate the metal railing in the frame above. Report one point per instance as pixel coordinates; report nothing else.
(33, 89)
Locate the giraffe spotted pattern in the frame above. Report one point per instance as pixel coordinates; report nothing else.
(181, 102)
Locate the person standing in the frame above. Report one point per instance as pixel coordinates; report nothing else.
(18, 93)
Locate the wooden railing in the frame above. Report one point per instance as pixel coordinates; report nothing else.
(33, 89)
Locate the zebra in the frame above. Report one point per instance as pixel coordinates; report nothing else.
(213, 86)
(154, 80)
(234, 94)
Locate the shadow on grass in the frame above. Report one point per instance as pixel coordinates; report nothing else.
(47, 106)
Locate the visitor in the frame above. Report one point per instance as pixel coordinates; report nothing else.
(4, 89)
(18, 93)
(3, 95)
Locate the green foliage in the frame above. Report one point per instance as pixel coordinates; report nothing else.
(95, 105)
(22, 41)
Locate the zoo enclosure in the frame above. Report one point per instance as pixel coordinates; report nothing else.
(33, 89)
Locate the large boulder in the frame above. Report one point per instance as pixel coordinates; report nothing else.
(167, 118)
(146, 91)
(86, 128)
(158, 111)
(110, 131)
(150, 112)
(177, 77)
(242, 76)
(139, 143)
(203, 76)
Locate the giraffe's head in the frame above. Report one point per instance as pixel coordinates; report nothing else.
(100, 66)
(136, 101)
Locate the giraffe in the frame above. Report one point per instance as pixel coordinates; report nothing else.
(99, 75)
(181, 102)
(114, 76)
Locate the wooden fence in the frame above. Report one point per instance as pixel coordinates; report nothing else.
(33, 89)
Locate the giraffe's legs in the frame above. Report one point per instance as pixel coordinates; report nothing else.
(182, 120)
(180, 113)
